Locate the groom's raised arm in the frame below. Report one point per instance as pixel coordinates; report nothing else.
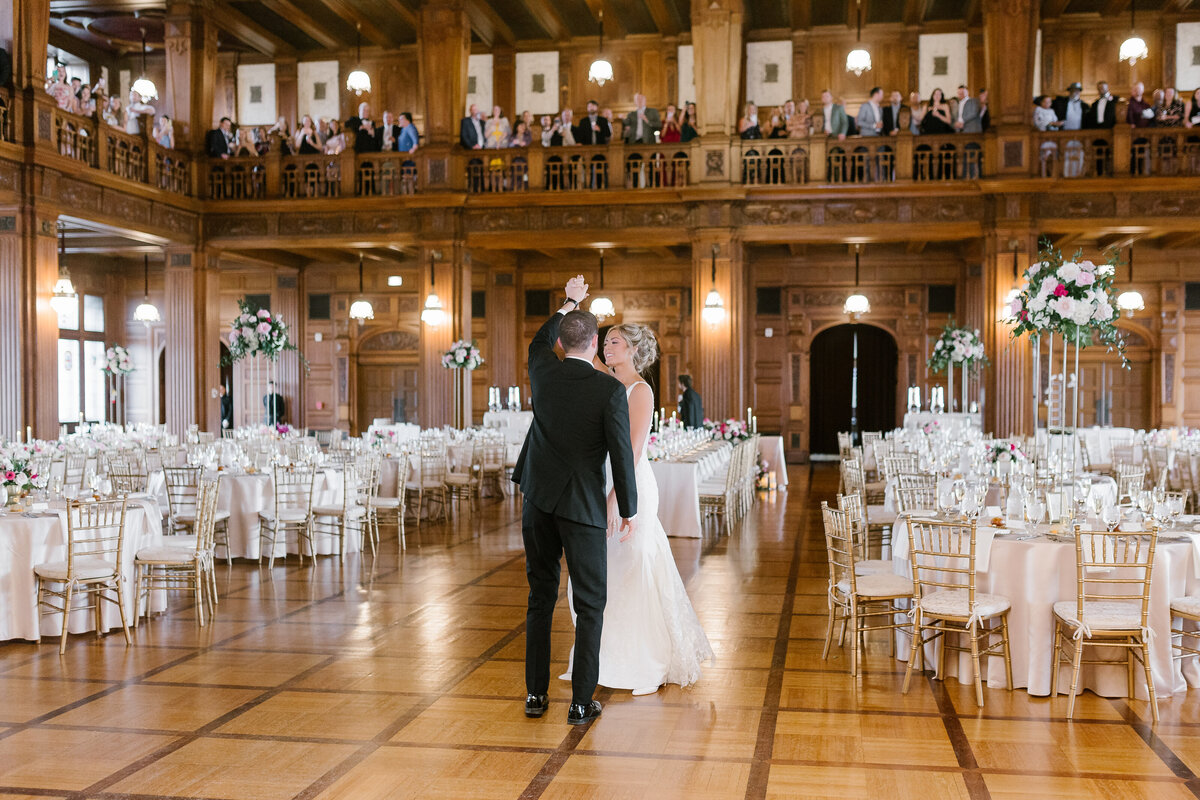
(620, 452)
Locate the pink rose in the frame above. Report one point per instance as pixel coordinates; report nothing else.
(1060, 291)
(1085, 279)
(264, 327)
(10, 476)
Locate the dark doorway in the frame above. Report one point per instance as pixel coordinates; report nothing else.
(829, 383)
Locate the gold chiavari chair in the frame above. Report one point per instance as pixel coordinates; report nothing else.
(896, 463)
(494, 452)
(1130, 480)
(719, 494)
(1123, 455)
(177, 567)
(345, 515)
(74, 470)
(878, 519)
(183, 487)
(290, 511)
(464, 480)
(942, 556)
(916, 480)
(92, 568)
(1111, 608)
(856, 600)
(851, 505)
(429, 483)
(378, 505)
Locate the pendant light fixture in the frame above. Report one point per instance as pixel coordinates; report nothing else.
(602, 307)
(147, 312)
(714, 307)
(1131, 300)
(856, 304)
(600, 72)
(1134, 48)
(361, 308)
(64, 291)
(143, 85)
(858, 60)
(433, 313)
(358, 81)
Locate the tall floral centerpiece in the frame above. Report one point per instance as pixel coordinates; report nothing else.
(117, 364)
(18, 475)
(1074, 300)
(957, 346)
(257, 334)
(463, 357)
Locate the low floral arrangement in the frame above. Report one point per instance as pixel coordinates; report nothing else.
(462, 355)
(254, 331)
(1002, 452)
(117, 361)
(16, 471)
(282, 428)
(731, 430)
(655, 451)
(1075, 299)
(931, 427)
(959, 346)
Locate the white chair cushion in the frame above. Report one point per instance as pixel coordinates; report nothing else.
(956, 603)
(428, 484)
(878, 515)
(190, 517)
(874, 566)
(1189, 605)
(167, 555)
(458, 479)
(887, 585)
(712, 487)
(1102, 615)
(386, 502)
(285, 515)
(875, 487)
(336, 511)
(86, 568)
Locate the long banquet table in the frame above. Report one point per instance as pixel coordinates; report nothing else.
(679, 489)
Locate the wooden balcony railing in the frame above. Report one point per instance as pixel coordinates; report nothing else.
(1164, 152)
(563, 169)
(775, 161)
(131, 157)
(6, 115)
(862, 159)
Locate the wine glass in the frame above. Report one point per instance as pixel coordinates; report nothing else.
(1110, 515)
(1035, 509)
(1145, 501)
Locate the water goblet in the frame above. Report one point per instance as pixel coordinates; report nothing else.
(1110, 515)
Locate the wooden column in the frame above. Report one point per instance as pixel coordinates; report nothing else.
(287, 91)
(12, 285)
(445, 261)
(285, 304)
(184, 385)
(30, 32)
(718, 363)
(1009, 36)
(32, 375)
(1007, 382)
(443, 44)
(506, 347)
(717, 43)
(191, 64)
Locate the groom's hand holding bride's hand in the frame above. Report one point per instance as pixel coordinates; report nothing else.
(629, 528)
(577, 290)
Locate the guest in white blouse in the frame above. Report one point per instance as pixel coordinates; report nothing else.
(497, 131)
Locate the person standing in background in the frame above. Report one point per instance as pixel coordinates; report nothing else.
(226, 408)
(273, 403)
(691, 409)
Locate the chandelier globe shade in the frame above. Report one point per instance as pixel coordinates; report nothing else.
(601, 71)
(713, 312)
(857, 303)
(143, 86)
(63, 294)
(602, 307)
(361, 309)
(433, 313)
(358, 81)
(1133, 49)
(1130, 302)
(858, 60)
(146, 312)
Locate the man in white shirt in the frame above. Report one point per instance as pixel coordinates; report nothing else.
(642, 123)
(1103, 113)
(870, 114)
(470, 132)
(834, 121)
(1071, 109)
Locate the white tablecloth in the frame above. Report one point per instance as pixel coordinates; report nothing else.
(26, 541)
(917, 419)
(1034, 574)
(679, 489)
(399, 432)
(770, 450)
(1099, 442)
(514, 423)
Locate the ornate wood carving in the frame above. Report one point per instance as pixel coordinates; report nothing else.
(390, 340)
(236, 225)
(1076, 205)
(381, 222)
(310, 224)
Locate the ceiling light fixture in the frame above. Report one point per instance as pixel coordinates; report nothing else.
(361, 308)
(1134, 48)
(600, 72)
(1130, 301)
(143, 85)
(714, 307)
(602, 307)
(433, 313)
(856, 304)
(64, 291)
(358, 81)
(147, 312)
(858, 60)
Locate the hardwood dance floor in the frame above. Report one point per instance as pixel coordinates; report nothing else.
(404, 678)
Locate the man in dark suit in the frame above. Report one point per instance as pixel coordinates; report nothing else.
(896, 116)
(593, 128)
(387, 135)
(216, 141)
(1071, 109)
(642, 123)
(470, 130)
(226, 408)
(1102, 114)
(273, 405)
(363, 130)
(580, 415)
(691, 409)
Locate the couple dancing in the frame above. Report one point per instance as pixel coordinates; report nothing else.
(634, 625)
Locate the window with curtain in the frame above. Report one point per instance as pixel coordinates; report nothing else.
(82, 388)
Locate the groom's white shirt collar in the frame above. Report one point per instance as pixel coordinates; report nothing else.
(587, 361)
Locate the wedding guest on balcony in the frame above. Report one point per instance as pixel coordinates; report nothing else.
(522, 136)
(916, 113)
(281, 132)
(965, 110)
(1071, 109)
(59, 89)
(5, 68)
(527, 118)
(832, 120)
(409, 138)
(335, 138)
(87, 103)
(1138, 112)
(1191, 117)
(387, 134)
(594, 128)
(219, 141)
(113, 114)
(870, 114)
(244, 143)
(671, 132)
(895, 115)
(497, 130)
(1102, 114)
(1044, 118)
(687, 125)
(985, 117)
(362, 128)
(642, 123)
(781, 117)
(134, 112)
(748, 125)
(164, 132)
(550, 126)
(564, 130)
(1168, 111)
(937, 118)
(470, 130)
(307, 142)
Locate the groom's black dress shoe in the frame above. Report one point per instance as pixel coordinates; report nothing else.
(579, 714)
(536, 705)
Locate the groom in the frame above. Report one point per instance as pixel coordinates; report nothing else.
(580, 415)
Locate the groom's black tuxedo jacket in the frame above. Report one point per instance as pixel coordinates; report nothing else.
(580, 415)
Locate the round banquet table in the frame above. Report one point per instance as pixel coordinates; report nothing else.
(28, 539)
(1034, 574)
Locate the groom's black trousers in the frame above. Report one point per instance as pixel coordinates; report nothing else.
(547, 537)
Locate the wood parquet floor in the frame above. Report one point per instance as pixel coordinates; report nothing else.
(402, 677)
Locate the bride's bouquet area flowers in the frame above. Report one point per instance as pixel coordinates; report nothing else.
(255, 331)
(730, 430)
(16, 471)
(462, 355)
(959, 346)
(117, 361)
(1075, 299)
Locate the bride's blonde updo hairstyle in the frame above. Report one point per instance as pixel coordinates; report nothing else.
(643, 344)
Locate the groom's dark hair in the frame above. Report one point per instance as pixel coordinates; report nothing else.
(577, 329)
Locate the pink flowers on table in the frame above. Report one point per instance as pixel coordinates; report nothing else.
(958, 346)
(1060, 291)
(255, 332)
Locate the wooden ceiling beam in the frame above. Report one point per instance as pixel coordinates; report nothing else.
(613, 27)
(973, 12)
(1119, 241)
(348, 12)
(1173, 241)
(1177, 6)
(852, 13)
(264, 41)
(797, 250)
(545, 12)
(799, 12)
(1065, 240)
(271, 258)
(488, 24)
(1114, 7)
(406, 14)
(1052, 9)
(914, 11)
(309, 26)
(663, 19)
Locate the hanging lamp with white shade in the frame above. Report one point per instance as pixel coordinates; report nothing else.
(856, 304)
(361, 309)
(64, 290)
(1130, 301)
(714, 307)
(1134, 48)
(358, 81)
(433, 313)
(601, 71)
(602, 307)
(143, 85)
(858, 60)
(146, 312)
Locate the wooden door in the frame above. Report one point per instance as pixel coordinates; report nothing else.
(1111, 395)
(387, 391)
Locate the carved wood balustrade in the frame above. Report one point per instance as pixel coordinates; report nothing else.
(133, 157)
(6, 116)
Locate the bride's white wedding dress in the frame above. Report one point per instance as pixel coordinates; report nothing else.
(651, 634)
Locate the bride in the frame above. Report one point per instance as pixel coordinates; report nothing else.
(651, 634)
